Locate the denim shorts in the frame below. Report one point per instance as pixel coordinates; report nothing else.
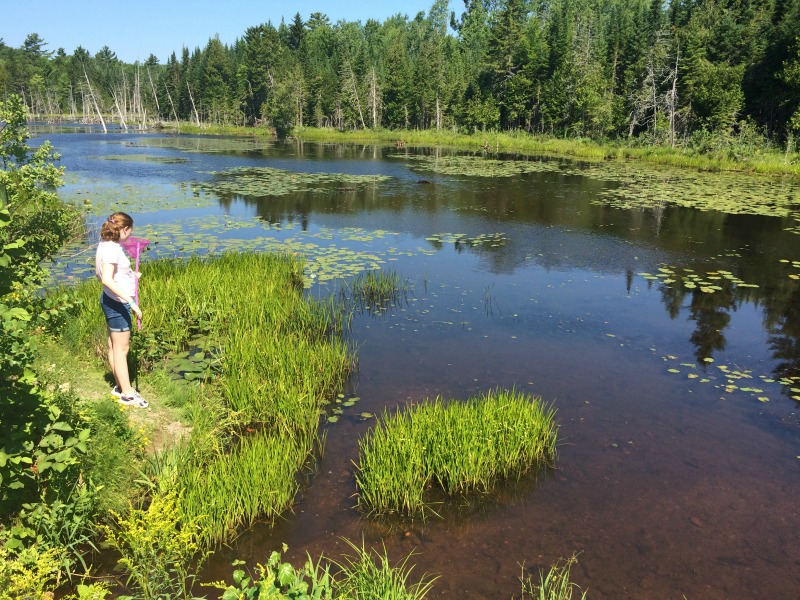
(118, 315)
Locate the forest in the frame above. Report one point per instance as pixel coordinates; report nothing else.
(675, 73)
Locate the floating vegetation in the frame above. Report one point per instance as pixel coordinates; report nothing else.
(730, 379)
(794, 228)
(268, 181)
(795, 264)
(460, 447)
(489, 240)
(205, 144)
(708, 283)
(337, 405)
(649, 187)
(643, 186)
(478, 166)
(167, 160)
(101, 198)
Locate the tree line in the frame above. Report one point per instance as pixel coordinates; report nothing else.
(653, 71)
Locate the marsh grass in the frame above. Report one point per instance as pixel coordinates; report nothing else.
(555, 584)
(256, 479)
(727, 157)
(374, 291)
(269, 359)
(370, 574)
(459, 447)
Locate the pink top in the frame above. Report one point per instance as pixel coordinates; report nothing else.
(112, 253)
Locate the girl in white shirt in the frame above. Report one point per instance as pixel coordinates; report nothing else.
(113, 269)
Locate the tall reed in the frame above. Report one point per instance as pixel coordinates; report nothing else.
(461, 447)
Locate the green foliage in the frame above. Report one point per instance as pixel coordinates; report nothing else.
(29, 573)
(114, 454)
(614, 69)
(93, 591)
(276, 580)
(160, 553)
(64, 526)
(262, 363)
(36, 441)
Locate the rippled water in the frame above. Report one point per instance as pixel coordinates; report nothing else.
(679, 457)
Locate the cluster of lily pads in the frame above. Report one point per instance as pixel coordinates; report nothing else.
(795, 264)
(101, 198)
(478, 166)
(493, 240)
(731, 379)
(646, 186)
(269, 181)
(338, 404)
(707, 283)
(145, 158)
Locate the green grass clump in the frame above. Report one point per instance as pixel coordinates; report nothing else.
(256, 479)
(375, 291)
(461, 447)
(555, 584)
(370, 574)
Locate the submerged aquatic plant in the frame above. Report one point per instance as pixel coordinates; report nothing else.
(375, 291)
(461, 447)
(555, 584)
(370, 574)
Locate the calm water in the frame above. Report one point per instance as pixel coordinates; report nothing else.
(670, 482)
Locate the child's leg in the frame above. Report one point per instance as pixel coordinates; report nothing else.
(119, 344)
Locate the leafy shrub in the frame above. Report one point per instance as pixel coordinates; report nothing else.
(157, 551)
(278, 580)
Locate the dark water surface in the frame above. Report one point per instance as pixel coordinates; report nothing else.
(670, 482)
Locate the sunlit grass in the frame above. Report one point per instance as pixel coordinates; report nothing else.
(461, 447)
(555, 584)
(264, 360)
(762, 162)
(370, 574)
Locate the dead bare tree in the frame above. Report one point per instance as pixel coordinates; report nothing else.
(374, 100)
(94, 101)
(194, 108)
(350, 81)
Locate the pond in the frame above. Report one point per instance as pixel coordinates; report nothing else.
(657, 310)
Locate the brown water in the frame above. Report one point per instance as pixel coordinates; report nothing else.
(667, 484)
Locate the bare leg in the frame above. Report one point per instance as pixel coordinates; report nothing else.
(111, 360)
(119, 344)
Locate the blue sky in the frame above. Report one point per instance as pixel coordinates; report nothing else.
(137, 28)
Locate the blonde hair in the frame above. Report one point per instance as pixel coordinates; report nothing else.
(112, 226)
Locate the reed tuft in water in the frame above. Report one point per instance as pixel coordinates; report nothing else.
(370, 574)
(555, 584)
(459, 447)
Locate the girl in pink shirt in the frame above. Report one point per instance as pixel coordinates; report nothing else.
(113, 269)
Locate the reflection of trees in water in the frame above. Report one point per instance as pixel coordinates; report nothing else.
(710, 312)
(778, 296)
(784, 335)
